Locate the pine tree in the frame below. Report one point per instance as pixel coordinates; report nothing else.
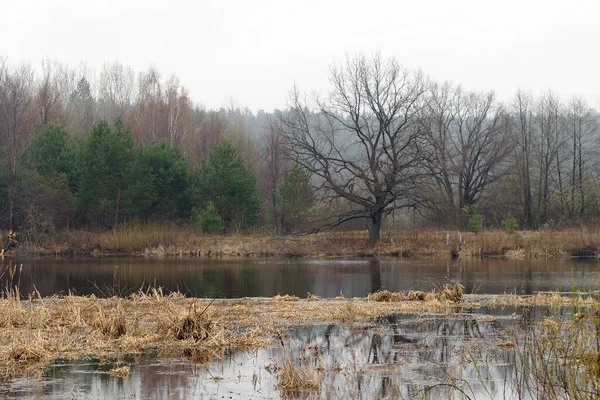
(231, 186)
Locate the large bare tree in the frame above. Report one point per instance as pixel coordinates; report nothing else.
(468, 144)
(361, 143)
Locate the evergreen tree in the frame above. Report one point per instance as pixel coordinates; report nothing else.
(159, 182)
(53, 152)
(231, 186)
(211, 220)
(50, 181)
(105, 159)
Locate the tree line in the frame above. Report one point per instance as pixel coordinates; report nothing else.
(80, 150)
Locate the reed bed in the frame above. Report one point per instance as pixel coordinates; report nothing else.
(37, 331)
(176, 240)
(560, 358)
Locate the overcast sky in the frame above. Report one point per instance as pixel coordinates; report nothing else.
(254, 51)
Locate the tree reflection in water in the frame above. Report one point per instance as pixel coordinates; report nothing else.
(397, 356)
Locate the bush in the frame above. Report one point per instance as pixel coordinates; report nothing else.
(211, 220)
(509, 224)
(475, 223)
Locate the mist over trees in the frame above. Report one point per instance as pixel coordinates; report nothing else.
(384, 146)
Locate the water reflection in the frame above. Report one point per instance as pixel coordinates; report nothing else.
(398, 356)
(325, 278)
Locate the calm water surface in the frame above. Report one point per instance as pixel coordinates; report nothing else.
(325, 278)
(395, 357)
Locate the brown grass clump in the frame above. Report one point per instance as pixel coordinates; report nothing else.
(553, 299)
(448, 294)
(196, 326)
(112, 324)
(386, 296)
(286, 297)
(121, 372)
(293, 378)
(506, 344)
(28, 352)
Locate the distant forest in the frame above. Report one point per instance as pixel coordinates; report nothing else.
(83, 150)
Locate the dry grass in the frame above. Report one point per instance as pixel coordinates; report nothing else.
(174, 240)
(553, 299)
(448, 294)
(559, 358)
(37, 331)
(294, 378)
(121, 372)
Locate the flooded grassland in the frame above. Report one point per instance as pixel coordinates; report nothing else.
(416, 344)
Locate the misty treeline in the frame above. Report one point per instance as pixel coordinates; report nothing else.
(84, 149)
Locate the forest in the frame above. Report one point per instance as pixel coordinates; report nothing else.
(385, 145)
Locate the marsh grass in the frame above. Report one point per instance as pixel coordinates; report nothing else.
(162, 239)
(36, 331)
(296, 375)
(447, 294)
(560, 357)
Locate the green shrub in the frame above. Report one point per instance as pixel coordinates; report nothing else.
(475, 223)
(210, 221)
(509, 224)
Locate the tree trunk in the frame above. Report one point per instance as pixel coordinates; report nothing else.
(375, 227)
(12, 192)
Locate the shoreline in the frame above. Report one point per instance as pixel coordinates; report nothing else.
(163, 240)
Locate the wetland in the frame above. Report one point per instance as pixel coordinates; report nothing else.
(279, 328)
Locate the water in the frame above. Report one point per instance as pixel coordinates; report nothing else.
(397, 356)
(325, 278)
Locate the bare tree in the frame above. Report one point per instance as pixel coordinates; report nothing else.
(180, 113)
(115, 91)
(361, 143)
(48, 98)
(582, 126)
(149, 118)
(468, 144)
(16, 92)
(524, 138)
(549, 142)
(209, 128)
(274, 168)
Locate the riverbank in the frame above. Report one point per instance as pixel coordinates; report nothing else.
(165, 240)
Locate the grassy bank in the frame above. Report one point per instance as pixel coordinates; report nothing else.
(174, 240)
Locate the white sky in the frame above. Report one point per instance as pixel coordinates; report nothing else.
(254, 51)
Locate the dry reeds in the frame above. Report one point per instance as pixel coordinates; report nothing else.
(196, 326)
(37, 331)
(174, 240)
(121, 372)
(448, 294)
(560, 358)
(295, 378)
